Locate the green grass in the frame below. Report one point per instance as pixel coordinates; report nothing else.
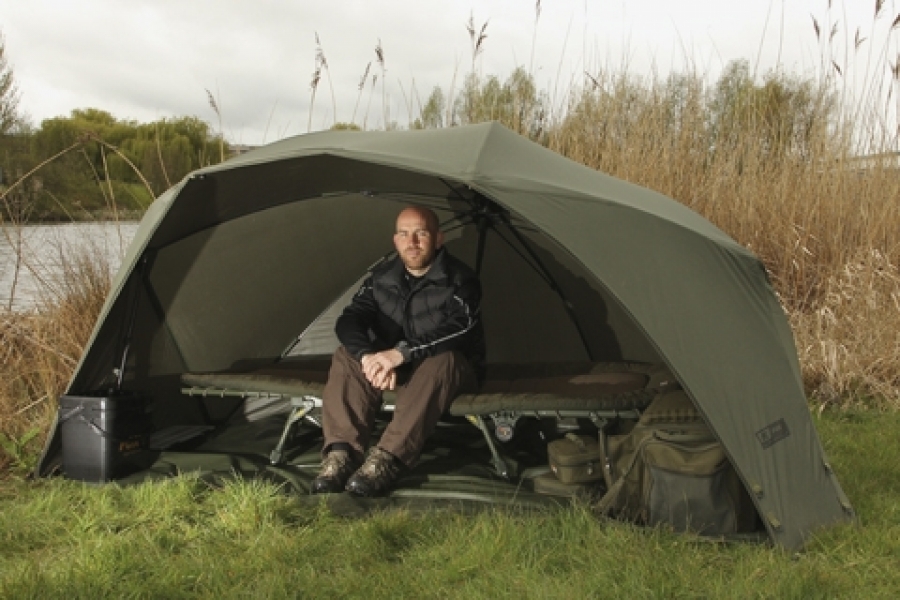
(184, 539)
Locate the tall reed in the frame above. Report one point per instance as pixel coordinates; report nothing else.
(40, 346)
(39, 349)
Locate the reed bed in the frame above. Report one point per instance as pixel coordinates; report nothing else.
(39, 350)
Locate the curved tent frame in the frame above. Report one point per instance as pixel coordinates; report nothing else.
(703, 302)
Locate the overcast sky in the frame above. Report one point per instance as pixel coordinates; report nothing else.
(148, 59)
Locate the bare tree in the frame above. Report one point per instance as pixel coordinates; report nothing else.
(9, 93)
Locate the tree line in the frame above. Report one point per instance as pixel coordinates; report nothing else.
(92, 163)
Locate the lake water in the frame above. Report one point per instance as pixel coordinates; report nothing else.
(45, 250)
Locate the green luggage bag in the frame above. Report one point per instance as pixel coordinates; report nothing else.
(576, 459)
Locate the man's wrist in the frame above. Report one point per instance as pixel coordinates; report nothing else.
(405, 352)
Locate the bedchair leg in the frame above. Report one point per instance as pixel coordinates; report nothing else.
(499, 464)
(301, 407)
(602, 424)
(505, 425)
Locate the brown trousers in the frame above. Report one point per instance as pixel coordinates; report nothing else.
(424, 392)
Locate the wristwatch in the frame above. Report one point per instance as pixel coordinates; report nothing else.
(403, 348)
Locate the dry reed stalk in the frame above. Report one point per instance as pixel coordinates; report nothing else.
(476, 37)
(369, 103)
(132, 166)
(379, 57)
(159, 157)
(325, 68)
(313, 86)
(39, 349)
(537, 17)
(321, 65)
(360, 87)
(15, 215)
(849, 345)
(213, 104)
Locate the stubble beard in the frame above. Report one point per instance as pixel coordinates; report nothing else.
(417, 263)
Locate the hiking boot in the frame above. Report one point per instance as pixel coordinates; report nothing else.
(337, 467)
(377, 474)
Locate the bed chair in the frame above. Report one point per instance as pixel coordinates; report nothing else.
(599, 392)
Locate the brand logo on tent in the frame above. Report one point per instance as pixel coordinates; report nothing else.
(769, 435)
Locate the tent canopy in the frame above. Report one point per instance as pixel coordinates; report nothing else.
(238, 259)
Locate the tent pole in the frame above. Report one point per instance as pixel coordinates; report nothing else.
(483, 226)
(553, 285)
(484, 213)
(132, 318)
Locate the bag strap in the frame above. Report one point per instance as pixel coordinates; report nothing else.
(684, 436)
(606, 503)
(72, 413)
(96, 428)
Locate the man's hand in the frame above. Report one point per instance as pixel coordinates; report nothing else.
(380, 368)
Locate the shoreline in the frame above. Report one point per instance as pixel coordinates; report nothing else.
(98, 217)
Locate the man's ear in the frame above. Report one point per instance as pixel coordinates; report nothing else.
(439, 239)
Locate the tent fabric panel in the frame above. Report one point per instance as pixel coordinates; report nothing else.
(513, 164)
(220, 196)
(524, 321)
(246, 288)
(319, 337)
(154, 350)
(104, 351)
(483, 155)
(104, 337)
(734, 353)
(611, 330)
(453, 150)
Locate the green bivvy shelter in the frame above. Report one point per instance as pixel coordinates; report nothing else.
(237, 260)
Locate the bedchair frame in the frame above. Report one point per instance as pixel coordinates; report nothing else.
(600, 392)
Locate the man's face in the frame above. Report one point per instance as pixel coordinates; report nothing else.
(417, 239)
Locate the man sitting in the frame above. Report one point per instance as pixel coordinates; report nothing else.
(415, 327)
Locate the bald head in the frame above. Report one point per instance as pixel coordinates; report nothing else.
(417, 238)
(420, 212)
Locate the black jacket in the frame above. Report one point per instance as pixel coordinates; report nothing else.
(438, 312)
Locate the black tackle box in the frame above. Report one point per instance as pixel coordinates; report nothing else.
(105, 437)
